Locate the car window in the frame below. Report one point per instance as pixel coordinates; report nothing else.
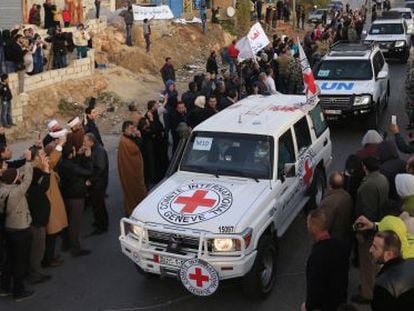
(286, 153)
(386, 29)
(318, 121)
(243, 155)
(303, 138)
(344, 70)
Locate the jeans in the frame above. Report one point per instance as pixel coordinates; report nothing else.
(37, 250)
(232, 65)
(203, 26)
(38, 61)
(74, 209)
(10, 67)
(1, 60)
(6, 118)
(147, 38)
(17, 260)
(99, 209)
(98, 9)
(128, 29)
(59, 61)
(81, 52)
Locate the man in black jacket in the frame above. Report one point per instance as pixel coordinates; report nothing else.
(6, 101)
(74, 170)
(327, 267)
(167, 71)
(227, 101)
(98, 182)
(394, 286)
(90, 125)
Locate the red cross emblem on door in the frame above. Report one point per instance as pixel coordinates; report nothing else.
(193, 202)
(199, 277)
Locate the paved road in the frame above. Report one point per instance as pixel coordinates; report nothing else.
(106, 280)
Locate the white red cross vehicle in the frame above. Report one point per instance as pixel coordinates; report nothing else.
(244, 175)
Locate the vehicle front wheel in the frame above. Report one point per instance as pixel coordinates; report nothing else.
(373, 120)
(259, 281)
(404, 57)
(317, 190)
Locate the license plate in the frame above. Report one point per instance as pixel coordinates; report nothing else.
(171, 261)
(334, 112)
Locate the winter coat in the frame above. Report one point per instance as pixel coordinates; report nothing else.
(167, 72)
(339, 208)
(391, 164)
(17, 213)
(73, 175)
(372, 195)
(58, 219)
(90, 127)
(212, 66)
(99, 178)
(39, 204)
(5, 92)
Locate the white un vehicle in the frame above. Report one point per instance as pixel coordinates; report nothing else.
(244, 175)
(392, 34)
(354, 81)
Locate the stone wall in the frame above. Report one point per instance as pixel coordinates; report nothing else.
(78, 69)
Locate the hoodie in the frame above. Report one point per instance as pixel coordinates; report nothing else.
(390, 164)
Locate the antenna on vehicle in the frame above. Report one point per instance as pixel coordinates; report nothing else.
(240, 118)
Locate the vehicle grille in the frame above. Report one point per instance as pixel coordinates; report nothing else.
(330, 102)
(386, 44)
(164, 238)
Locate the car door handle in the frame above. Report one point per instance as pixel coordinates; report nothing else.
(325, 142)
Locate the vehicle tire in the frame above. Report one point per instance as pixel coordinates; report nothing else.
(405, 57)
(373, 119)
(259, 281)
(317, 190)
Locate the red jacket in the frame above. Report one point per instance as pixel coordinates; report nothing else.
(232, 51)
(66, 16)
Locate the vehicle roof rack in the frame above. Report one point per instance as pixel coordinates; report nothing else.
(390, 15)
(352, 46)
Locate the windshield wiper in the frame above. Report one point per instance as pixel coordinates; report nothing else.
(235, 173)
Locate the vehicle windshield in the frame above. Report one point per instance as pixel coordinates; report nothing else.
(243, 155)
(344, 70)
(386, 29)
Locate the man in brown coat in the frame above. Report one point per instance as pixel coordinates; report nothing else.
(131, 167)
(338, 206)
(75, 137)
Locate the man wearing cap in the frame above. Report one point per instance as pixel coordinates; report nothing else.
(75, 137)
(15, 209)
(52, 126)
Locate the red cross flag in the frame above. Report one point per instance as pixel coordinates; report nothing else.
(255, 41)
(311, 89)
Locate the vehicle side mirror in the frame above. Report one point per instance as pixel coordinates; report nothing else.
(382, 74)
(289, 170)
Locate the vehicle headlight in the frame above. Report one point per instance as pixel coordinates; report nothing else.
(362, 100)
(138, 231)
(223, 245)
(399, 44)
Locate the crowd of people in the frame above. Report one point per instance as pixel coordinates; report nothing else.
(43, 197)
(368, 212)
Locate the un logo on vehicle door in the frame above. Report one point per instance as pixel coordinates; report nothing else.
(196, 202)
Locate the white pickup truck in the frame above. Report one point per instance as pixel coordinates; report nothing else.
(244, 175)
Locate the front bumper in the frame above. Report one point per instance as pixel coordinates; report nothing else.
(341, 107)
(157, 259)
